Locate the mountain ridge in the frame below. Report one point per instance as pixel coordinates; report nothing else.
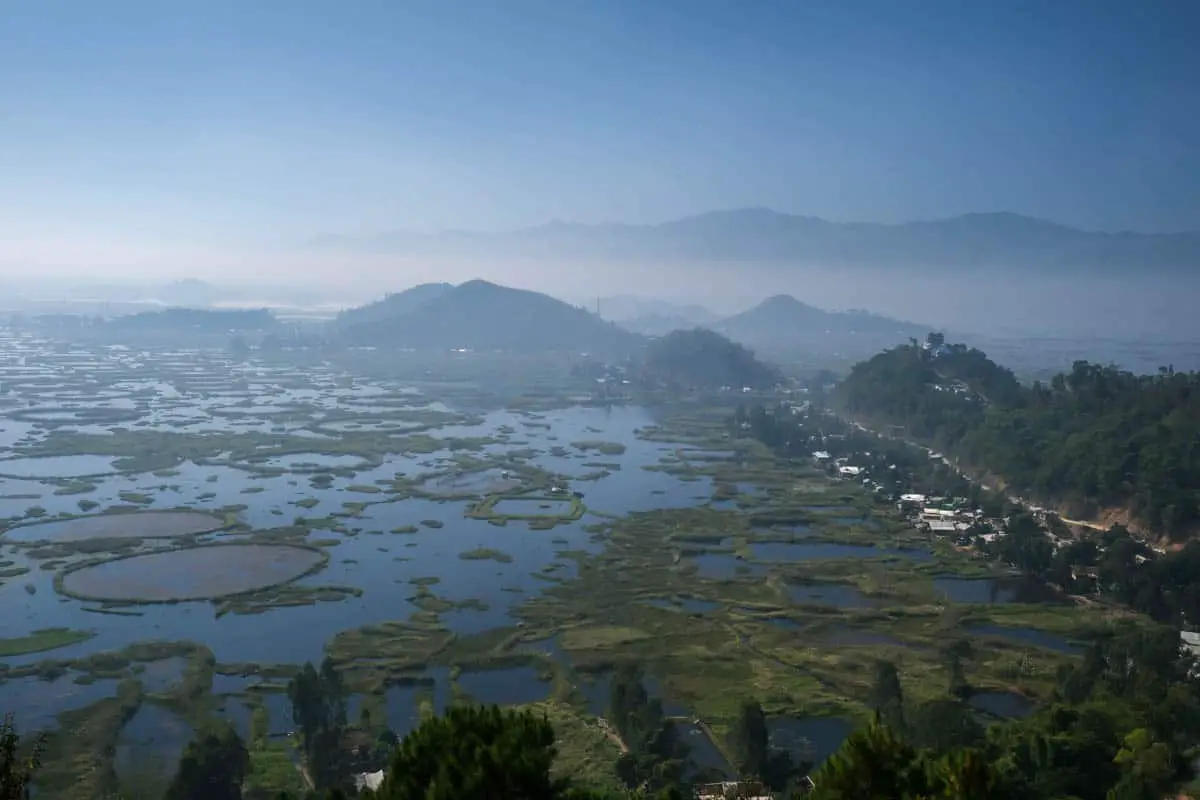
(763, 235)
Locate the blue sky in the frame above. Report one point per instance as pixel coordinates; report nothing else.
(224, 124)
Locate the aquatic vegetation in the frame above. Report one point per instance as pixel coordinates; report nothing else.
(40, 641)
(604, 448)
(486, 554)
(528, 507)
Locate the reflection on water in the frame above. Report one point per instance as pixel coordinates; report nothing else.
(995, 590)
(149, 747)
(507, 687)
(830, 594)
(810, 739)
(1029, 636)
(1006, 705)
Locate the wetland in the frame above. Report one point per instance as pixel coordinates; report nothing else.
(181, 530)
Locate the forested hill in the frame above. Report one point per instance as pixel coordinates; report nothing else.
(701, 358)
(1092, 441)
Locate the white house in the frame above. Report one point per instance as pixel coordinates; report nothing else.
(371, 780)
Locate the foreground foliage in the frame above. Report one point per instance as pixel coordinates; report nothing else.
(17, 764)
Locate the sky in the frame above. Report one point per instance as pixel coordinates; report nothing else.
(145, 137)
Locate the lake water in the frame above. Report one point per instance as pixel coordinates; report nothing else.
(149, 747)
(512, 686)
(1006, 705)
(1028, 636)
(57, 466)
(812, 551)
(994, 590)
(810, 739)
(726, 566)
(830, 594)
(215, 430)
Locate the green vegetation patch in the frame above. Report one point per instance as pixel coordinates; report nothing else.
(604, 448)
(499, 508)
(43, 640)
(486, 554)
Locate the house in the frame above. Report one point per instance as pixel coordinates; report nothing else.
(370, 780)
(732, 789)
(849, 472)
(1190, 641)
(913, 498)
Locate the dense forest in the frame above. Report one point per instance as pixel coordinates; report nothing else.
(1091, 440)
(703, 359)
(1121, 724)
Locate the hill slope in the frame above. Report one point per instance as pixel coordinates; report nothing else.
(1094, 440)
(479, 315)
(758, 234)
(699, 358)
(393, 305)
(782, 322)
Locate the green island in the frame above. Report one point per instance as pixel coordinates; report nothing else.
(40, 641)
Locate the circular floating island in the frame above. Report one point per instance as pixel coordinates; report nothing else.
(139, 525)
(204, 572)
(75, 415)
(52, 467)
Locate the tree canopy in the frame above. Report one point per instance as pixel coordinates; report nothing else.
(212, 768)
(704, 359)
(478, 752)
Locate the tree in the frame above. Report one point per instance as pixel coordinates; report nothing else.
(17, 769)
(475, 752)
(212, 768)
(1146, 769)
(874, 764)
(751, 741)
(319, 711)
(887, 696)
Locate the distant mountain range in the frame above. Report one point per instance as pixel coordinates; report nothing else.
(762, 235)
(479, 315)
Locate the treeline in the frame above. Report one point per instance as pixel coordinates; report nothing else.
(1121, 723)
(1091, 439)
(195, 320)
